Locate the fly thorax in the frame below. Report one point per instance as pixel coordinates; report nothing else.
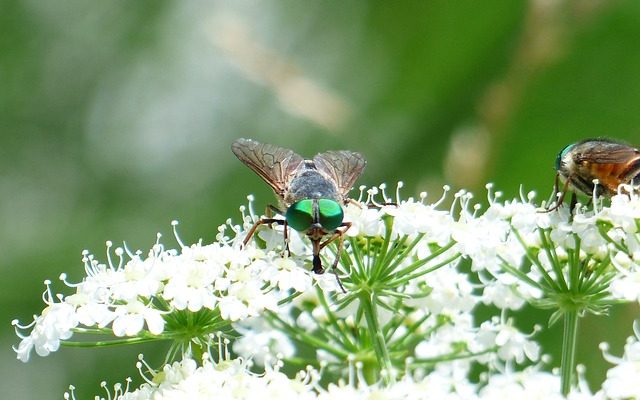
(311, 184)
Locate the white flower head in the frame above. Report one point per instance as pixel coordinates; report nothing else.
(503, 296)
(412, 217)
(260, 342)
(190, 284)
(511, 344)
(623, 212)
(47, 330)
(364, 221)
(142, 293)
(527, 384)
(130, 318)
(286, 274)
(225, 380)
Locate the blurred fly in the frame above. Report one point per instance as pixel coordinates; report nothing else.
(311, 193)
(611, 162)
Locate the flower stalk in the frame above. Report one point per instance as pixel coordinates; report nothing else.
(383, 367)
(569, 344)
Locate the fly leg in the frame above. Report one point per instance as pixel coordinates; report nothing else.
(271, 208)
(337, 234)
(317, 263)
(262, 221)
(560, 194)
(268, 221)
(573, 202)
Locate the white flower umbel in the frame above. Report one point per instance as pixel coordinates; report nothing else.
(558, 260)
(233, 379)
(406, 325)
(179, 295)
(405, 296)
(512, 344)
(228, 379)
(533, 384)
(259, 342)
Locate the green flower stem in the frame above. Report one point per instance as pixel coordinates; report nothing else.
(407, 277)
(305, 337)
(392, 257)
(423, 261)
(388, 224)
(534, 261)
(421, 362)
(93, 331)
(377, 337)
(108, 343)
(599, 277)
(197, 351)
(550, 250)
(394, 262)
(602, 228)
(569, 339)
(519, 274)
(344, 337)
(411, 339)
(289, 298)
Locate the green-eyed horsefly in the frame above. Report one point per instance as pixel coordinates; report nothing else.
(311, 193)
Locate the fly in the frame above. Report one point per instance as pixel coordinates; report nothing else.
(311, 193)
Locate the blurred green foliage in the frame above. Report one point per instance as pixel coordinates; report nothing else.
(116, 117)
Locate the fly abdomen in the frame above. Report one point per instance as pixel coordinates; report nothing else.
(611, 175)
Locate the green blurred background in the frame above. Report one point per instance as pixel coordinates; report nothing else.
(116, 117)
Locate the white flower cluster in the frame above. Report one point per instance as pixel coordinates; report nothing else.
(510, 235)
(227, 380)
(55, 324)
(432, 299)
(139, 295)
(532, 384)
(232, 380)
(621, 221)
(405, 291)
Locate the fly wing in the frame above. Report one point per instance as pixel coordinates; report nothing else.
(607, 153)
(343, 166)
(276, 165)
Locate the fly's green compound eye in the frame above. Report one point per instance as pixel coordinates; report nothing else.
(300, 215)
(562, 154)
(331, 214)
